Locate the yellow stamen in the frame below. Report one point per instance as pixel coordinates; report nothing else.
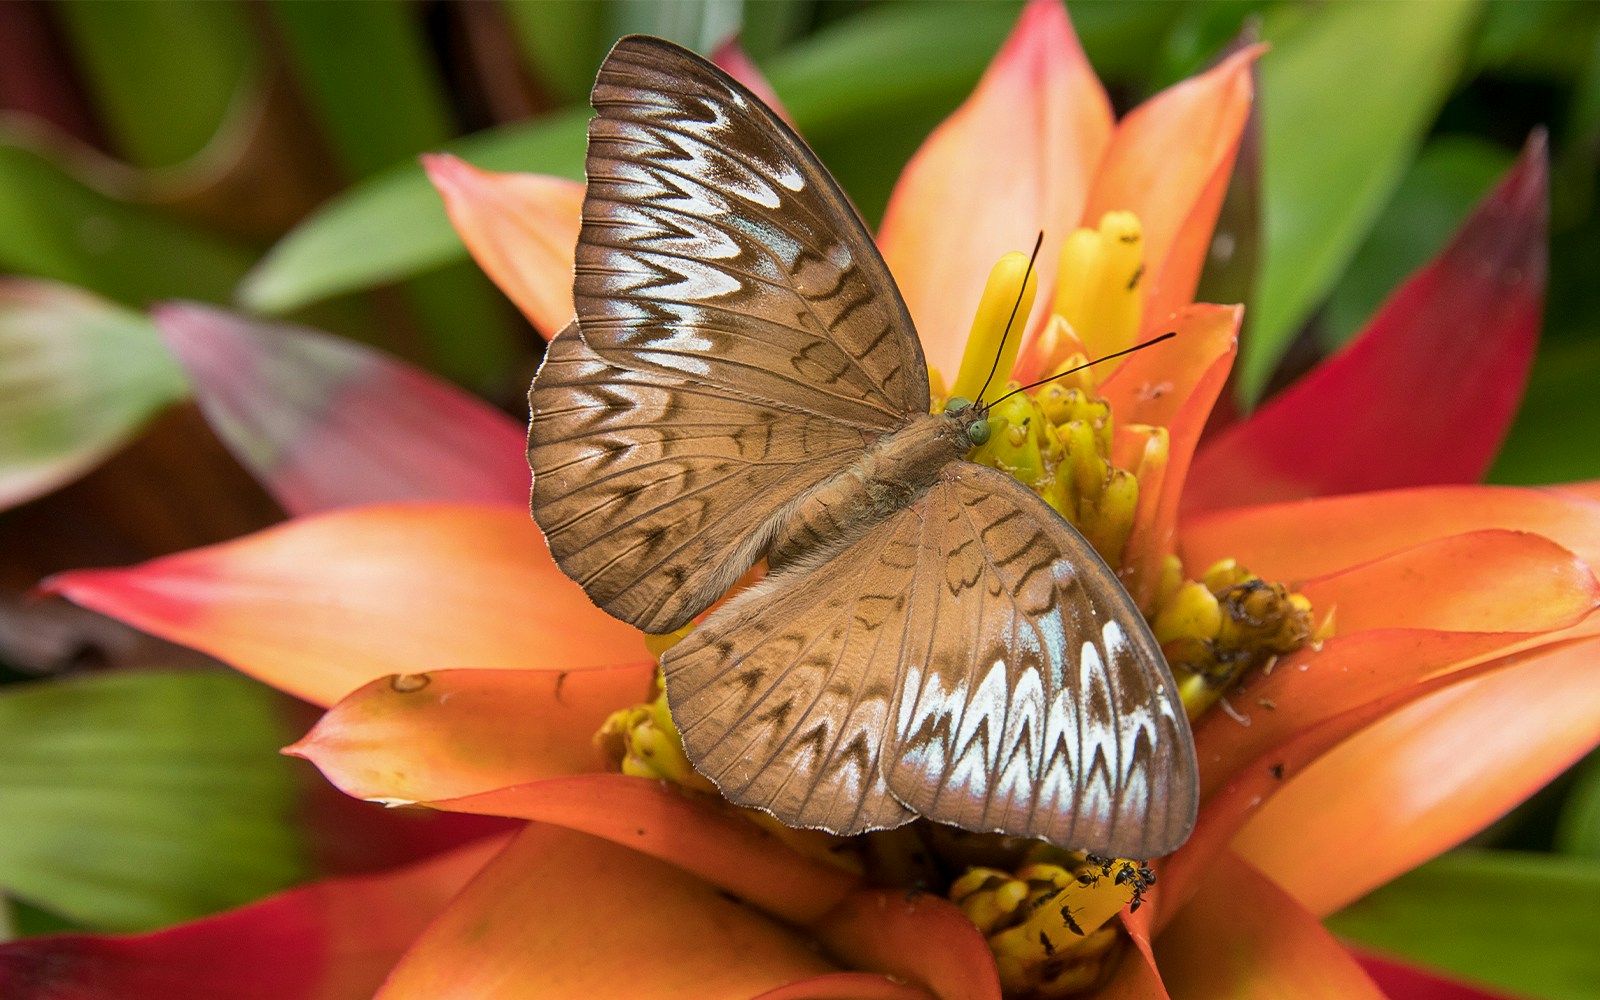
(1019, 441)
(1098, 282)
(1000, 298)
(1112, 523)
(1149, 464)
(1229, 622)
(1048, 925)
(936, 389)
(642, 741)
(1193, 612)
(658, 644)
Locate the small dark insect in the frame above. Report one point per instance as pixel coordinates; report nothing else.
(1276, 771)
(1139, 878)
(1072, 925)
(1048, 945)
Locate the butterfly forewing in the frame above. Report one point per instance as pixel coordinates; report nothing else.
(1040, 706)
(654, 492)
(715, 246)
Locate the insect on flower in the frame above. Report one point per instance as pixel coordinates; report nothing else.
(743, 380)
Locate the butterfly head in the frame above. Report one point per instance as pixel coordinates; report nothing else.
(973, 420)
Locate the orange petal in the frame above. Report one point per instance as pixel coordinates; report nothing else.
(522, 229)
(1136, 978)
(1243, 937)
(1302, 539)
(915, 937)
(1169, 162)
(1016, 157)
(1484, 581)
(1426, 778)
(321, 605)
(698, 833)
(1305, 691)
(334, 940)
(456, 732)
(1174, 386)
(1588, 491)
(847, 986)
(562, 914)
(1356, 705)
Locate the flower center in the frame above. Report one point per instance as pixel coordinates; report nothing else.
(1046, 912)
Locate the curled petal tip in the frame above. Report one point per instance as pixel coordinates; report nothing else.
(522, 229)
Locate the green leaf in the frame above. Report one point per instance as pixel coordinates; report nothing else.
(134, 800)
(393, 226)
(1578, 827)
(1520, 922)
(867, 93)
(78, 376)
(55, 226)
(379, 102)
(1558, 410)
(864, 94)
(562, 41)
(1438, 192)
(164, 75)
(1348, 92)
(697, 24)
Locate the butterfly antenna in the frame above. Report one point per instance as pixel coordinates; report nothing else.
(1000, 353)
(1153, 341)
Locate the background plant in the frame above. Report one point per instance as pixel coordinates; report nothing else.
(250, 155)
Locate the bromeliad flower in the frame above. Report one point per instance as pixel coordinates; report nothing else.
(1335, 648)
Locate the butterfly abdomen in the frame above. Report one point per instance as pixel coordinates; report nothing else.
(892, 474)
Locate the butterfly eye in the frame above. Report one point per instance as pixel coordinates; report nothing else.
(956, 404)
(978, 431)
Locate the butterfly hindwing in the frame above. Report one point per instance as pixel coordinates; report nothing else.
(1043, 707)
(783, 694)
(715, 246)
(644, 484)
(976, 651)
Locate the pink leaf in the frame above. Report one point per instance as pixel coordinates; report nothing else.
(324, 422)
(335, 940)
(1426, 393)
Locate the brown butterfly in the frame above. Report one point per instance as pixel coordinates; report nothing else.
(743, 381)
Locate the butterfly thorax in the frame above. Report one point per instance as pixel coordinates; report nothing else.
(893, 473)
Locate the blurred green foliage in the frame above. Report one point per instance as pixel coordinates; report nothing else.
(249, 153)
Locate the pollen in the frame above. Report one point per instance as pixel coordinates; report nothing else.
(1099, 280)
(658, 644)
(1226, 624)
(1057, 442)
(1048, 923)
(642, 740)
(998, 326)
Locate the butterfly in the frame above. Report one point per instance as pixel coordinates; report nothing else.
(743, 380)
